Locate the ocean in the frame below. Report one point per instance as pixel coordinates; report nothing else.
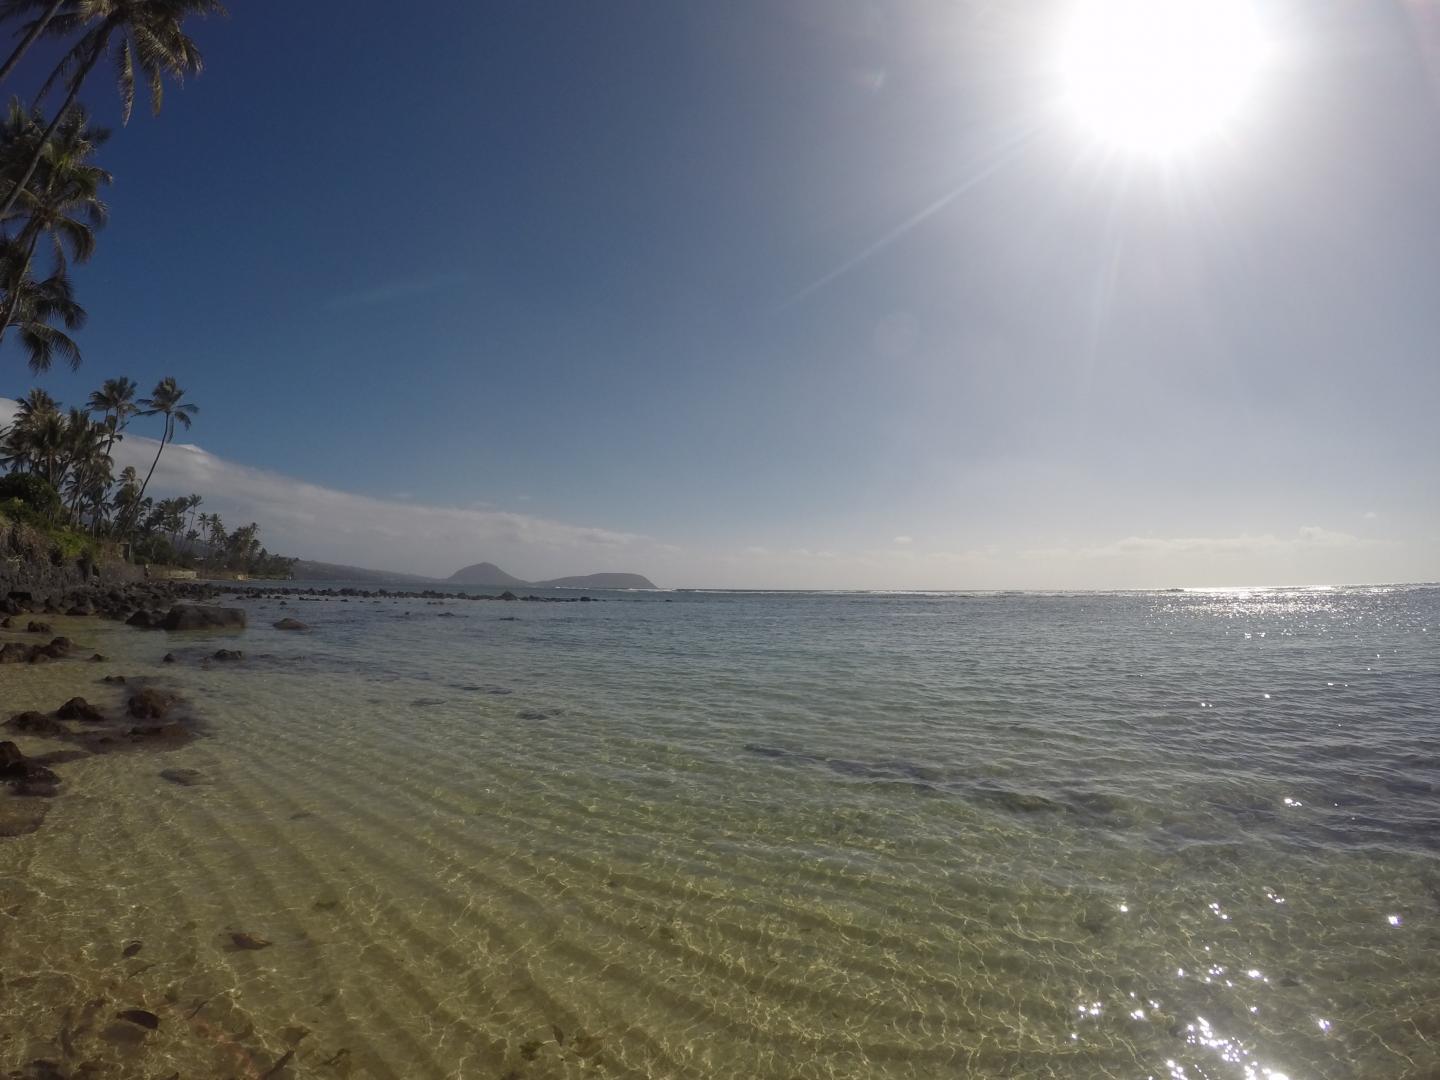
(751, 835)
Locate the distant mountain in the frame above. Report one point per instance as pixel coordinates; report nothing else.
(597, 581)
(491, 575)
(484, 573)
(309, 570)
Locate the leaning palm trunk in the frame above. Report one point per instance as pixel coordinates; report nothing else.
(12, 302)
(164, 438)
(75, 84)
(36, 30)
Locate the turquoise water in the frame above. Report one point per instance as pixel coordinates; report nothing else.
(756, 835)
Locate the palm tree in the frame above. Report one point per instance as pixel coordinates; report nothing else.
(165, 400)
(15, 9)
(86, 460)
(145, 33)
(115, 401)
(35, 305)
(64, 203)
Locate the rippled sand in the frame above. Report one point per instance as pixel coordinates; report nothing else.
(750, 837)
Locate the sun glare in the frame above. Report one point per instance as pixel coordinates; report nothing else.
(1161, 76)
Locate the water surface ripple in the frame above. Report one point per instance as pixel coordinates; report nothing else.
(1180, 835)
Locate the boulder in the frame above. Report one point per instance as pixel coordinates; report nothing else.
(35, 627)
(59, 648)
(203, 617)
(140, 620)
(507, 595)
(290, 624)
(228, 654)
(14, 653)
(77, 708)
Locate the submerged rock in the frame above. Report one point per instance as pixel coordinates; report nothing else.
(36, 723)
(151, 704)
(183, 777)
(203, 617)
(228, 654)
(291, 624)
(143, 1017)
(21, 816)
(241, 941)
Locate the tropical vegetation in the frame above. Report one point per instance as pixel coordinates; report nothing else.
(61, 478)
(60, 463)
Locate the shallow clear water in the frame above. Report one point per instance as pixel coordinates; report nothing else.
(754, 835)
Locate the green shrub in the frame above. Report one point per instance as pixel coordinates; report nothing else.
(33, 491)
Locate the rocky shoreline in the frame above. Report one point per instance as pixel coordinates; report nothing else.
(150, 718)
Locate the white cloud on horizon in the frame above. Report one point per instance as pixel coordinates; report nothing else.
(401, 534)
(328, 525)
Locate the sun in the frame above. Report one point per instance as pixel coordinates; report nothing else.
(1160, 77)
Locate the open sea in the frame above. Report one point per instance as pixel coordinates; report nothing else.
(750, 835)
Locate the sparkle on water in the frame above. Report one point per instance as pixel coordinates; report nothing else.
(867, 836)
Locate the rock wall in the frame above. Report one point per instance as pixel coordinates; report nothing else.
(45, 582)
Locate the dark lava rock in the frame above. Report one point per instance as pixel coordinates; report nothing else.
(38, 628)
(144, 1017)
(98, 659)
(36, 789)
(183, 777)
(35, 723)
(204, 617)
(150, 704)
(169, 658)
(507, 595)
(14, 653)
(290, 624)
(131, 949)
(58, 647)
(140, 620)
(228, 654)
(77, 708)
(10, 756)
(114, 679)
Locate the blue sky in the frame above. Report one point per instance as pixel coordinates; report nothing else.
(786, 292)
